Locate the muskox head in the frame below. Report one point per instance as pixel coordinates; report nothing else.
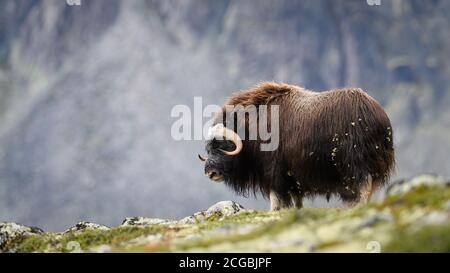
(223, 146)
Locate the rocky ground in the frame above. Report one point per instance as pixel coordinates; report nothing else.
(414, 216)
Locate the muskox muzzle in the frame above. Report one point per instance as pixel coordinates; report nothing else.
(220, 132)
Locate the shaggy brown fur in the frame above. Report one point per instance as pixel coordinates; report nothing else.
(330, 143)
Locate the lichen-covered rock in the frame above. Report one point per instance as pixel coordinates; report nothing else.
(407, 185)
(146, 240)
(12, 231)
(219, 210)
(436, 218)
(82, 226)
(143, 221)
(447, 206)
(374, 217)
(224, 209)
(102, 249)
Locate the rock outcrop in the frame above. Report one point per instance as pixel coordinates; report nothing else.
(12, 231)
(413, 217)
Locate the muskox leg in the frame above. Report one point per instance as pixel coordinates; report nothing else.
(297, 200)
(278, 201)
(365, 192)
(364, 195)
(275, 203)
(280, 197)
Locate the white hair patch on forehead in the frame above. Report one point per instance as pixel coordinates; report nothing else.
(212, 132)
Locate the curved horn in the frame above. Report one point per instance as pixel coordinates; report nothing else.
(202, 158)
(233, 137)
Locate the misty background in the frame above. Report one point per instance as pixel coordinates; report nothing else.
(86, 92)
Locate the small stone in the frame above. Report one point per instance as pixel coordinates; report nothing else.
(437, 218)
(447, 205)
(86, 226)
(189, 220)
(102, 249)
(224, 209)
(221, 209)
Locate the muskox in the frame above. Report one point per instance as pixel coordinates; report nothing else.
(332, 143)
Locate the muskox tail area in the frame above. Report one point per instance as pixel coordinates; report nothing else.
(365, 146)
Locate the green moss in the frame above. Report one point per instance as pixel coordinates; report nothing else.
(313, 214)
(265, 229)
(30, 244)
(423, 196)
(216, 220)
(329, 244)
(433, 238)
(86, 239)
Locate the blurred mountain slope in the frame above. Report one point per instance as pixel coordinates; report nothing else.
(86, 92)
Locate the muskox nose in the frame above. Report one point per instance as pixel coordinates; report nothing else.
(211, 174)
(214, 175)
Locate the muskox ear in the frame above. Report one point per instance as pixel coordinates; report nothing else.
(201, 158)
